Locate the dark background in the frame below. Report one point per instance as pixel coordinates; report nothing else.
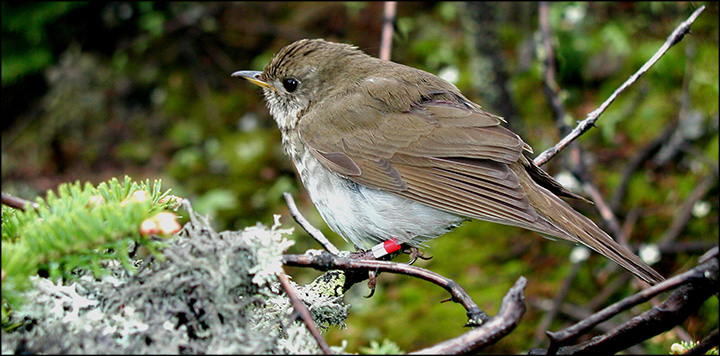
(97, 90)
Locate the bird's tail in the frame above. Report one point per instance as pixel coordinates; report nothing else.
(575, 227)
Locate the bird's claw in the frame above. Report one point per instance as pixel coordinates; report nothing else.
(415, 253)
(372, 280)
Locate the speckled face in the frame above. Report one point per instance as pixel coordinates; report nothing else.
(296, 74)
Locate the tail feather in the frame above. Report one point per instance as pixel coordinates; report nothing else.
(570, 225)
(593, 237)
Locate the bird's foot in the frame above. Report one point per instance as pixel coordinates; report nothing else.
(415, 253)
(362, 254)
(375, 253)
(372, 281)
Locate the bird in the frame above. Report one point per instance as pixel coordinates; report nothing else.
(388, 152)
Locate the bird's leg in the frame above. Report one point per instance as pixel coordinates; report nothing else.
(415, 253)
(361, 254)
(377, 252)
(372, 281)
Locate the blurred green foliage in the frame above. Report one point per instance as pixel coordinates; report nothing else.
(26, 43)
(97, 90)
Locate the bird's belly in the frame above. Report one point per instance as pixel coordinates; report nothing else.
(366, 216)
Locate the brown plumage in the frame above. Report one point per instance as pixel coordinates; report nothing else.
(372, 135)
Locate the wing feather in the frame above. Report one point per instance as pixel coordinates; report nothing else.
(449, 155)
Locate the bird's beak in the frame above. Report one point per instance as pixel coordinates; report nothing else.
(254, 77)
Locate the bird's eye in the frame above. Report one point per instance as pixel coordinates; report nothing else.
(290, 84)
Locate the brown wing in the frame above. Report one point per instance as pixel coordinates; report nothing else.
(441, 150)
(444, 151)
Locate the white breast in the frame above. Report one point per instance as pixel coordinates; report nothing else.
(366, 216)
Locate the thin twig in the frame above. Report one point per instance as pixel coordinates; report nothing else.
(576, 312)
(684, 214)
(640, 157)
(589, 122)
(631, 219)
(389, 9)
(552, 91)
(17, 203)
(511, 311)
(704, 346)
(561, 337)
(557, 302)
(303, 312)
(312, 230)
(679, 139)
(607, 214)
(550, 85)
(667, 315)
(325, 261)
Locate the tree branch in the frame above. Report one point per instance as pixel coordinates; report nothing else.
(312, 230)
(389, 9)
(511, 311)
(702, 278)
(587, 123)
(16, 202)
(303, 312)
(704, 346)
(324, 261)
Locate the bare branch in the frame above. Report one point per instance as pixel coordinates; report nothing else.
(552, 91)
(708, 343)
(312, 230)
(589, 122)
(684, 214)
(705, 273)
(387, 29)
(551, 88)
(511, 311)
(577, 312)
(676, 308)
(325, 261)
(17, 203)
(640, 157)
(303, 312)
(557, 303)
(607, 214)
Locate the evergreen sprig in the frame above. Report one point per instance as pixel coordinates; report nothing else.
(79, 226)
